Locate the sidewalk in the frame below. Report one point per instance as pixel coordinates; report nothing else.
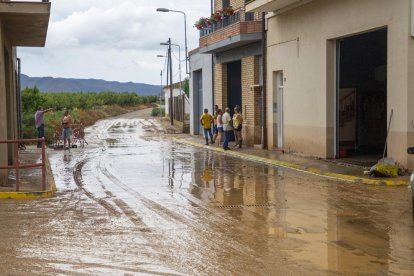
(318, 167)
(30, 179)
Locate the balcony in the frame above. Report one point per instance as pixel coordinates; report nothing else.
(25, 23)
(277, 6)
(239, 29)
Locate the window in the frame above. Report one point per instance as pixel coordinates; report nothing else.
(226, 3)
(249, 16)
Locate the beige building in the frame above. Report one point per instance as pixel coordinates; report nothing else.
(235, 44)
(337, 70)
(21, 24)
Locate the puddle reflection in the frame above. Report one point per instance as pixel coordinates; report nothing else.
(323, 223)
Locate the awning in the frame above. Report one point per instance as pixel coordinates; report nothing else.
(231, 43)
(25, 23)
(273, 5)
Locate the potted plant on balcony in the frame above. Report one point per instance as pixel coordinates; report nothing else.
(201, 23)
(228, 11)
(208, 22)
(215, 17)
(198, 25)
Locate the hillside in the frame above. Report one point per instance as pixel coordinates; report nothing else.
(49, 84)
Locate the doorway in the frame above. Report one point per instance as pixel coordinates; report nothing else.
(279, 109)
(361, 94)
(234, 93)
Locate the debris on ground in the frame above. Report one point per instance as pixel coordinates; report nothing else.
(385, 167)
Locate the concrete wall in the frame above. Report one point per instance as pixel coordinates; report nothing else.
(176, 92)
(8, 106)
(301, 43)
(200, 64)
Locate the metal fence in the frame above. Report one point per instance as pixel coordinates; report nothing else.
(17, 166)
(179, 108)
(238, 16)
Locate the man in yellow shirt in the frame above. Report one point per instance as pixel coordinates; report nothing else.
(206, 120)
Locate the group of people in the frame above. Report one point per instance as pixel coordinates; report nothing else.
(223, 126)
(66, 126)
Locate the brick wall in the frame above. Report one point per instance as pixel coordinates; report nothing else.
(251, 100)
(251, 96)
(220, 85)
(244, 27)
(236, 4)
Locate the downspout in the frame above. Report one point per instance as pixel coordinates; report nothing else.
(19, 101)
(264, 84)
(212, 80)
(212, 69)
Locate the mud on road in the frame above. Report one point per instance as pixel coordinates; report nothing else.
(134, 202)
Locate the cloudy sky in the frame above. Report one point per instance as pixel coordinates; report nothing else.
(115, 40)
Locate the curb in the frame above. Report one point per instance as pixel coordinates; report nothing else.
(26, 195)
(35, 194)
(300, 168)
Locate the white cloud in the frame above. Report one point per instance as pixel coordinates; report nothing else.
(112, 40)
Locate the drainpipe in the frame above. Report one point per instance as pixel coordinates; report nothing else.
(19, 101)
(212, 80)
(264, 84)
(212, 67)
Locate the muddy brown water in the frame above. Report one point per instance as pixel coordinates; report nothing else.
(133, 202)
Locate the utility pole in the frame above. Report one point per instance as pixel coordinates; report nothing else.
(161, 95)
(171, 87)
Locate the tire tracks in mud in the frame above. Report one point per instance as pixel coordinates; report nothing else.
(195, 223)
(77, 175)
(151, 205)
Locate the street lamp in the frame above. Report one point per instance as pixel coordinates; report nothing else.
(161, 90)
(185, 33)
(169, 72)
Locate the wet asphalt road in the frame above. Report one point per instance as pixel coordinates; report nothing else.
(134, 202)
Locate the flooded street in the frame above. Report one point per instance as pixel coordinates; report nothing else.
(135, 202)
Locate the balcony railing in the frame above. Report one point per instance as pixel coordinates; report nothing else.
(238, 16)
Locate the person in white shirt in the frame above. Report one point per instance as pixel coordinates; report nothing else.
(219, 127)
(227, 128)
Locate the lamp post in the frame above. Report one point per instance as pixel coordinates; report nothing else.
(169, 76)
(161, 94)
(185, 33)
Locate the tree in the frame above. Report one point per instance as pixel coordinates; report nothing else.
(32, 99)
(186, 87)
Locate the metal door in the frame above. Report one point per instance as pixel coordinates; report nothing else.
(280, 115)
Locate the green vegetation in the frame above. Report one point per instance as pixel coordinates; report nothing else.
(186, 87)
(85, 107)
(156, 111)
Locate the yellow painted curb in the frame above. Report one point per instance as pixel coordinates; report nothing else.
(293, 166)
(35, 195)
(26, 195)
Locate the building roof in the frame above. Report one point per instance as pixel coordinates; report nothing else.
(25, 23)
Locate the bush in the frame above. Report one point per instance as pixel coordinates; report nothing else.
(85, 107)
(157, 111)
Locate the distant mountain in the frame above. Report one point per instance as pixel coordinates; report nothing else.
(56, 85)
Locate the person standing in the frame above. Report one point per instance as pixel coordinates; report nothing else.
(206, 120)
(67, 131)
(215, 129)
(227, 128)
(219, 127)
(40, 123)
(237, 124)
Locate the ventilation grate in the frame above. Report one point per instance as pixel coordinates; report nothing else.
(245, 206)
